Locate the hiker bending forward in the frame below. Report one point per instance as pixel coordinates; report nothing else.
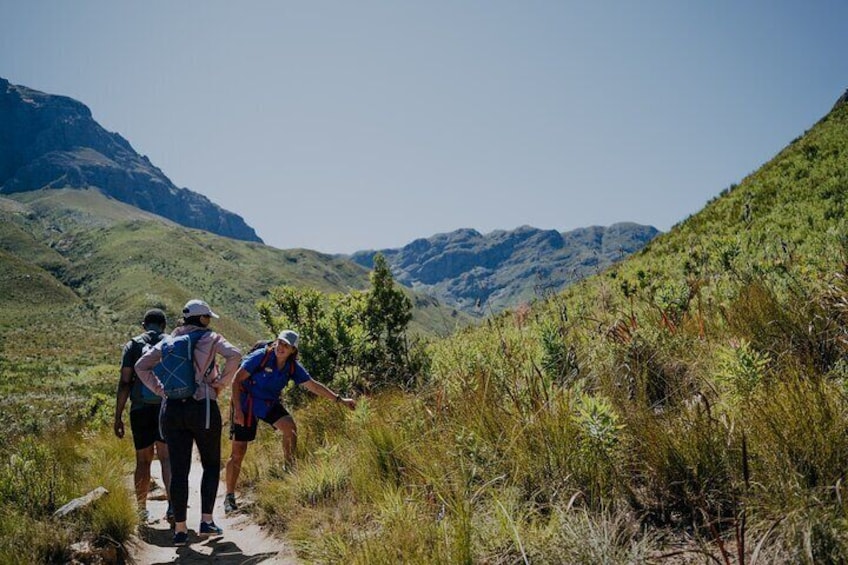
(195, 419)
(256, 396)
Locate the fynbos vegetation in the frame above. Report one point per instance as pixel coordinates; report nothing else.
(688, 405)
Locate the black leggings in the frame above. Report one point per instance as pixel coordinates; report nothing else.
(185, 425)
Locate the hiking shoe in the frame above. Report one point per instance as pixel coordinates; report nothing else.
(169, 516)
(180, 538)
(209, 529)
(230, 505)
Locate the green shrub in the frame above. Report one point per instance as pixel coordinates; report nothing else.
(741, 369)
(37, 477)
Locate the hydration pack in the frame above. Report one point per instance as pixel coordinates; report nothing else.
(177, 369)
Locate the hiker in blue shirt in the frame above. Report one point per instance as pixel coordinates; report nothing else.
(144, 413)
(256, 396)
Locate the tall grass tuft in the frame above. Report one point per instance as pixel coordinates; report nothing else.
(687, 468)
(108, 461)
(27, 540)
(799, 442)
(579, 535)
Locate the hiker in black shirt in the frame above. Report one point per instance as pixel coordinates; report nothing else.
(144, 413)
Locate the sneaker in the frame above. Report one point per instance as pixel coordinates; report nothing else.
(169, 516)
(207, 529)
(230, 505)
(180, 538)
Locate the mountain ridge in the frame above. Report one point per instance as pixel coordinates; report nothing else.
(52, 141)
(481, 273)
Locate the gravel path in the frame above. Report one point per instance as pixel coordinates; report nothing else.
(243, 542)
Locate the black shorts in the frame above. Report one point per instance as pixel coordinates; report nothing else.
(248, 433)
(144, 423)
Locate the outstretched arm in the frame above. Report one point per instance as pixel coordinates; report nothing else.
(317, 388)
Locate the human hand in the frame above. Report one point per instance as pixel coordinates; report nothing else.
(119, 428)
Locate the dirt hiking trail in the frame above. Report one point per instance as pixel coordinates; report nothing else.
(243, 542)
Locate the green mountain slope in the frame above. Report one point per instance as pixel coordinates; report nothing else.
(697, 388)
(789, 215)
(27, 286)
(686, 405)
(88, 266)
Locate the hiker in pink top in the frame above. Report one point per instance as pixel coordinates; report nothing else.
(196, 418)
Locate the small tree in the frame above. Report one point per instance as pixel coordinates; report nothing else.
(359, 337)
(388, 312)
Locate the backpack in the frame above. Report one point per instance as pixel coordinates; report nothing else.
(262, 343)
(141, 345)
(176, 370)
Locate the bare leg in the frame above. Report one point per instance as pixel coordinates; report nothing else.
(289, 429)
(234, 464)
(143, 460)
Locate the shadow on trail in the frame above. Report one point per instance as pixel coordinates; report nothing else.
(244, 541)
(222, 550)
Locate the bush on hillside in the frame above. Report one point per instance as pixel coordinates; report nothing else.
(357, 340)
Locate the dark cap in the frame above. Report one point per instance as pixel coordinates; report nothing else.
(155, 316)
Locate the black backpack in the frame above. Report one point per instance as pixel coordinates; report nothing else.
(140, 345)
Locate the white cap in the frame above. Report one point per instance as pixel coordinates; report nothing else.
(289, 337)
(197, 308)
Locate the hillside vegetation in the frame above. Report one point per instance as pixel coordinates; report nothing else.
(106, 262)
(689, 404)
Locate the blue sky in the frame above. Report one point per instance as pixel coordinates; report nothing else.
(340, 126)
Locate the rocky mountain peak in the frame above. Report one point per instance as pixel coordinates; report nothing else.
(483, 273)
(50, 141)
